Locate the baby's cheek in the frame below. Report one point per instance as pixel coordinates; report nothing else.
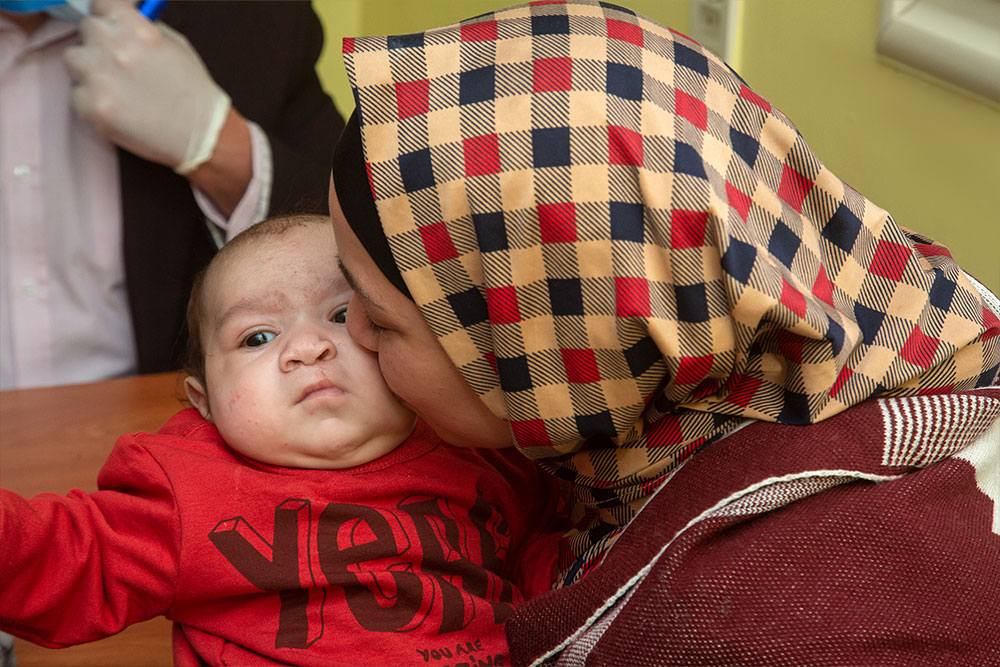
(245, 410)
(241, 428)
(234, 413)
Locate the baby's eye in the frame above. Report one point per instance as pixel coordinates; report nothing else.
(259, 338)
(339, 316)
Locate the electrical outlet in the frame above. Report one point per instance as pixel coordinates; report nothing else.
(713, 25)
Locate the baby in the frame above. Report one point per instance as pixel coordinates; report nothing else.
(298, 512)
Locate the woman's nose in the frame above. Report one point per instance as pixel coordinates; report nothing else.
(307, 344)
(358, 326)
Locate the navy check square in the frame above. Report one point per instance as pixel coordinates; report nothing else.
(795, 409)
(692, 303)
(745, 146)
(642, 356)
(738, 260)
(835, 334)
(417, 171)
(550, 147)
(627, 222)
(942, 290)
(469, 306)
(514, 373)
(490, 231)
(691, 59)
(869, 321)
(784, 243)
(478, 85)
(624, 81)
(842, 229)
(557, 24)
(687, 160)
(599, 424)
(413, 40)
(566, 296)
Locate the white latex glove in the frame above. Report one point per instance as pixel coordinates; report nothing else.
(145, 88)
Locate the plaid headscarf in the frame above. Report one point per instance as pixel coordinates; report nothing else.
(626, 251)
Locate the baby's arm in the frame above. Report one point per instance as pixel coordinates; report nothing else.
(80, 567)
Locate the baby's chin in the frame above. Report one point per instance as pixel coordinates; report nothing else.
(330, 443)
(330, 455)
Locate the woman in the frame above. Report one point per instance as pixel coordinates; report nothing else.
(589, 238)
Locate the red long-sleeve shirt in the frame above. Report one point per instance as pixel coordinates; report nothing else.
(415, 558)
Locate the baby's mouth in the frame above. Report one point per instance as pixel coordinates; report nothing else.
(320, 388)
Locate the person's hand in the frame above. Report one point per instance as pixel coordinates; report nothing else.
(145, 88)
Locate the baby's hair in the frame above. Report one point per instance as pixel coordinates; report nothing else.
(194, 356)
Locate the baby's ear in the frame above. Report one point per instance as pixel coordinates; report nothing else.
(198, 396)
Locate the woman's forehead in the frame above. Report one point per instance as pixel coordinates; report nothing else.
(358, 268)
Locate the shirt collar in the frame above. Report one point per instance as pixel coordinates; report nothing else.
(51, 31)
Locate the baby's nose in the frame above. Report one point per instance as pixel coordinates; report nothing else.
(308, 345)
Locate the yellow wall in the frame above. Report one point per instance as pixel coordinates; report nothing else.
(929, 155)
(340, 18)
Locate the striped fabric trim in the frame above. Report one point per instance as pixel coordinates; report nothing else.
(922, 429)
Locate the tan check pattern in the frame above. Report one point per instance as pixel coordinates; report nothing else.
(626, 250)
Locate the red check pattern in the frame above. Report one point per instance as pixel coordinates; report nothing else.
(550, 74)
(624, 146)
(632, 297)
(412, 98)
(627, 251)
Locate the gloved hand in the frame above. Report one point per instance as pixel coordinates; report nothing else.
(145, 88)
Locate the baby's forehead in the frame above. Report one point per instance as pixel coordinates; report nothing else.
(306, 247)
(276, 272)
(278, 282)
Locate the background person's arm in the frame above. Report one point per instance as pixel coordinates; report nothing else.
(145, 88)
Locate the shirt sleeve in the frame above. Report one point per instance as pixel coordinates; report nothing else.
(541, 507)
(256, 200)
(81, 567)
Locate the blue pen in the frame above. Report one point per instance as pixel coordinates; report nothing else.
(151, 9)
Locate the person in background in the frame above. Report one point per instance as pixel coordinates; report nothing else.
(129, 151)
(298, 513)
(587, 236)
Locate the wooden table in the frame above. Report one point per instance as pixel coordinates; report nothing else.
(56, 439)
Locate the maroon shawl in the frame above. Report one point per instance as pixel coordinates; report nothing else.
(870, 538)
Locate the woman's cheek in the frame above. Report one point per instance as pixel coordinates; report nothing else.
(393, 374)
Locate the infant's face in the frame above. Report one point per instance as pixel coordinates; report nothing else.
(286, 384)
